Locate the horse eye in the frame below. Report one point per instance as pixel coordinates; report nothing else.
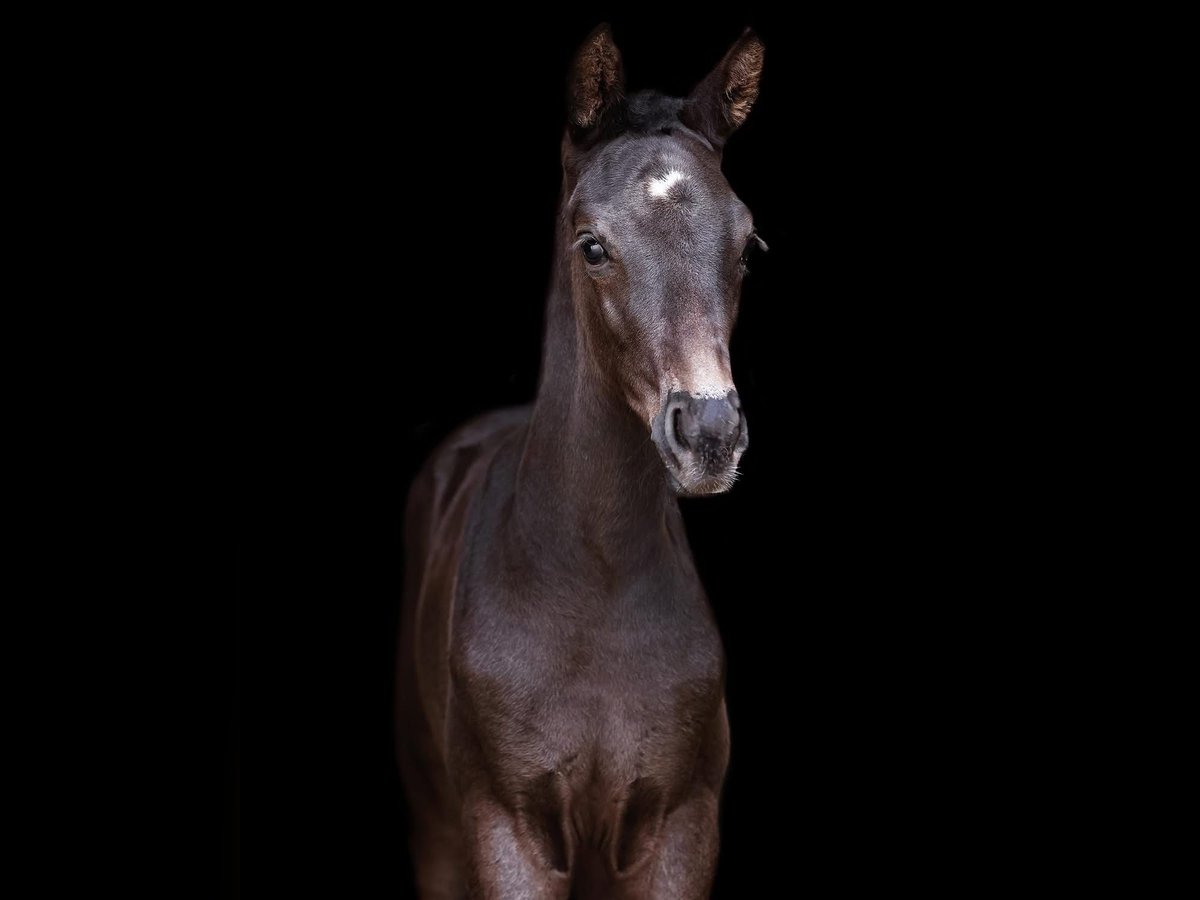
(593, 251)
(754, 243)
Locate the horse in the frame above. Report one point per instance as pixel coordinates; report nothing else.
(561, 719)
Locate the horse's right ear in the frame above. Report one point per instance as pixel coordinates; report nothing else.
(596, 85)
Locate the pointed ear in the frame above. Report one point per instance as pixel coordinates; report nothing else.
(721, 102)
(596, 85)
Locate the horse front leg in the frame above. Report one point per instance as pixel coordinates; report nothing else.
(686, 860)
(503, 863)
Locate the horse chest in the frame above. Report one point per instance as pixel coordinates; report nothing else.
(631, 690)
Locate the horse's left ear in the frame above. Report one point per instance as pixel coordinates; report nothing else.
(722, 101)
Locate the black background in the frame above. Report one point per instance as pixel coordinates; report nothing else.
(401, 181)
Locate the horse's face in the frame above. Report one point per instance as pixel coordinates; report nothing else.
(661, 244)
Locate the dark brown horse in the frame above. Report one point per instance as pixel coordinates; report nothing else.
(561, 711)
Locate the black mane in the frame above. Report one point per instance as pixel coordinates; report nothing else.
(647, 112)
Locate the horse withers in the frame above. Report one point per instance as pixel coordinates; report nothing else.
(561, 713)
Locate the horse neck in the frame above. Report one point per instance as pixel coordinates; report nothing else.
(590, 486)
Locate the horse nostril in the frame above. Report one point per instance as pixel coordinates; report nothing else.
(705, 431)
(677, 428)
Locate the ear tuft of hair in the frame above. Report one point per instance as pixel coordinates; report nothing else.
(741, 81)
(597, 80)
(722, 101)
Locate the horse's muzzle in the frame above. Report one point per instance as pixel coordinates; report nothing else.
(701, 440)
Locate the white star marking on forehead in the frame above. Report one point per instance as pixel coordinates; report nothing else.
(659, 187)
